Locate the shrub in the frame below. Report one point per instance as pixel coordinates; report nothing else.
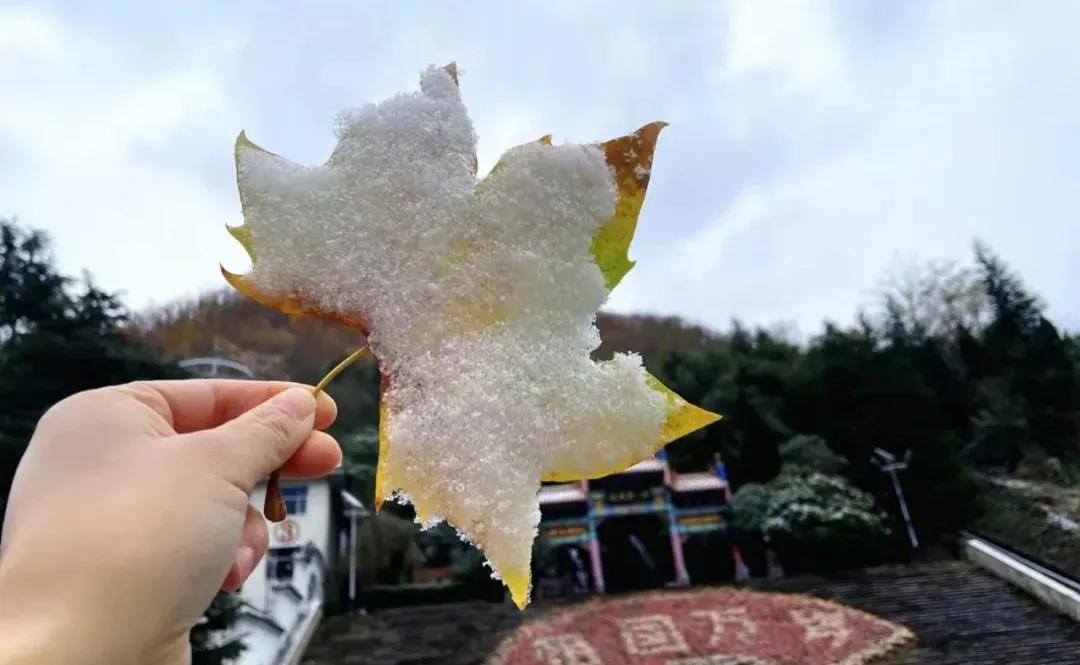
(748, 506)
(821, 523)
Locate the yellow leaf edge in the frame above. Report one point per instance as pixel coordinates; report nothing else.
(630, 158)
(517, 576)
(242, 233)
(290, 304)
(682, 418)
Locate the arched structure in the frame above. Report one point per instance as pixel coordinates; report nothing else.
(212, 367)
(648, 497)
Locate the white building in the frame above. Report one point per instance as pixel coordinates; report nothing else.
(283, 599)
(311, 558)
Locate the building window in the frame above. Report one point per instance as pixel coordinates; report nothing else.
(280, 563)
(295, 499)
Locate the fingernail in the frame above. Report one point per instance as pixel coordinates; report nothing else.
(297, 402)
(245, 560)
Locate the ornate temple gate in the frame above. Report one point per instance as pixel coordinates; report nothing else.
(582, 520)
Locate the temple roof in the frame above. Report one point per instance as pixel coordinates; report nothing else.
(651, 465)
(697, 482)
(566, 493)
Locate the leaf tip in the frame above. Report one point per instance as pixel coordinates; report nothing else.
(452, 70)
(243, 143)
(519, 583)
(235, 280)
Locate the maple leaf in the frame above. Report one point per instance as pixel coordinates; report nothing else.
(479, 299)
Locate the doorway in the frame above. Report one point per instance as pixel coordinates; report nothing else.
(636, 552)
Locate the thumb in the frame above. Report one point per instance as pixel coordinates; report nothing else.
(256, 443)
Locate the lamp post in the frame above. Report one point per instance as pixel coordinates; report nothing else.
(354, 510)
(887, 463)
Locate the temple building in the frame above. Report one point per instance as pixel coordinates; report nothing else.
(646, 527)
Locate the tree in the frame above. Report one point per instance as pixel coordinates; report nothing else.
(1001, 432)
(863, 389)
(933, 299)
(1013, 307)
(31, 292)
(746, 378)
(360, 458)
(58, 336)
(748, 507)
(810, 452)
(211, 643)
(1026, 366)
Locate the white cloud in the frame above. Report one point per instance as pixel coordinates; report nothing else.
(29, 34)
(90, 160)
(795, 41)
(974, 137)
(811, 143)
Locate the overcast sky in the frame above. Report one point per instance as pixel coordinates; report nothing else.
(811, 147)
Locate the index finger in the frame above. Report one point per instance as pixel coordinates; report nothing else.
(198, 404)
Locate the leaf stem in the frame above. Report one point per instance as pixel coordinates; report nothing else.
(339, 368)
(274, 502)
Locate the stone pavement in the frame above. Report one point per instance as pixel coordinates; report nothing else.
(451, 634)
(960, 615)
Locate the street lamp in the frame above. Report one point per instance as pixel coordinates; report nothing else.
(888, 463)
(354, 510)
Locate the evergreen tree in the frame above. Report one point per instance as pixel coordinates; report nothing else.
(210, 638)
(746, 377)
(1026, 369)
(807, 451)
(58, 336)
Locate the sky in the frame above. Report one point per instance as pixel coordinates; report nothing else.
(813, 147)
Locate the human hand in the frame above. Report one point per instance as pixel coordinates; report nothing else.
(129, 511)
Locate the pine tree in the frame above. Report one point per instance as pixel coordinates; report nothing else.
(210, 638)
(1015, 310)
(1026, 368)
(746, 378)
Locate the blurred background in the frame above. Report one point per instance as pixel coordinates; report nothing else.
(860, 244)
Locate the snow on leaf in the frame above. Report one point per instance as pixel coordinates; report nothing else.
(479, 299)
